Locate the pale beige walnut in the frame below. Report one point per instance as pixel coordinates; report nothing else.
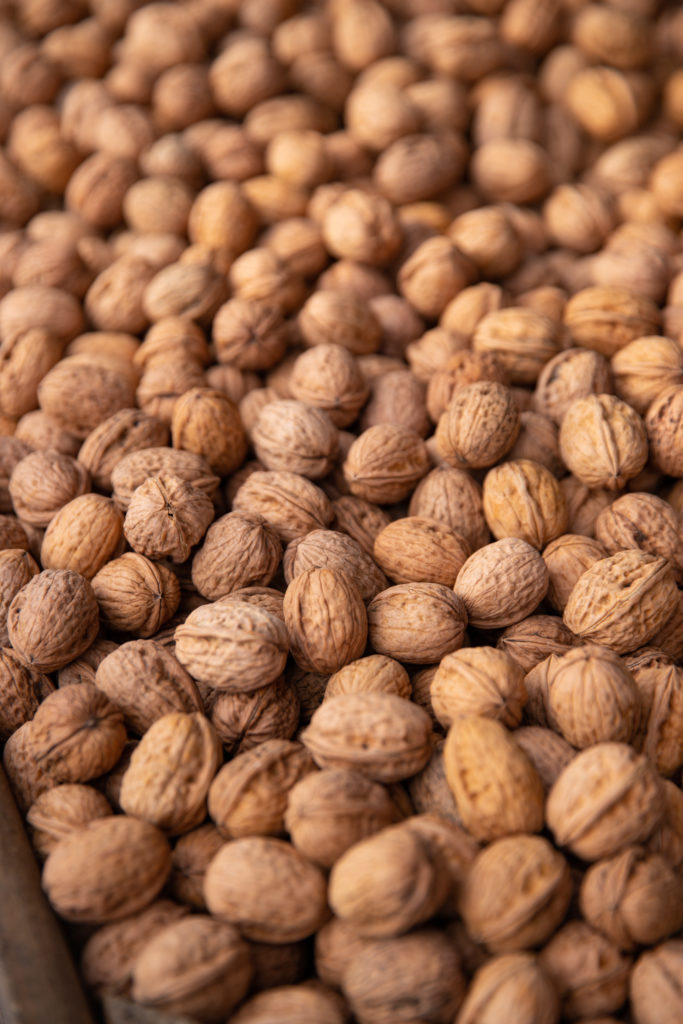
(192, 290)
(60, 811)
(513, 987)
(417, 623)
(136, 466)
(644, 521)
(43, 482)
(293, 437)
(479, 681)
(663, 423)
(360, 519)
(110, 952)
(21, 691)
(53, 619)
(605, 319)
(374, 673)
(535, 638)
(166, 517)
(82, 391)
(268, 598)
(144, 680)
(603, 441)
(232, 646)
(329, 378)
(496, 787)
(522, 340)
(329, 549)
(411, 977)
(107, 870)
(38, 430)
(516, 893)
(479, 427)
(546, 749)
(608, 797)
(453, 497)
(83, 535)
(17, 567)
(622, 601)
(207, 423)
(388, 883)
(293, 1004)
(170, 771)
(590, 974)
(645, 368)
(654, 989)
(418, 549)
(330, 810)
(566, 558)
(196, 965)
(126, 431)
(192, 854)
(523, 499)
(243, 720)
(574, 373)
(249, 794)
(386, 738)
(502, 583)
(634, 898)
(291, 504)
(325, 619)
(385, 463)
(136, 595)
(659, 682)
(240, 549)
(267, 889)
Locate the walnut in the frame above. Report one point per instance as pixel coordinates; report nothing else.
(82, 391)
(207, 423)
(328, 377)
(61, 811)
(192, 854)
(605, 319)
(239, 549)
(293, 437)
(572, 374)
(479, 426)
(43, 482)
(522, 341)
(645, 368)
(534, 638)
(336, 317)
(336, 944)
(291, 504)
(329, 549)
(326, 620)
(584, 504)
(513, 985)
(566, 558)
(453, 497)
(293, 1003)
(589, 972)
(174, 337)
(663, 425)
(17, 567)
(479, 681)
(360, 519)
(245, 720)
(134, 468)
(126, 431)
(374, 673)
(642, 521)
(397, 397)
(417, 549)
(136, 595)
(603, 441)
(362, 226)
(659, 683)
(24, 361)
(12, 452)
(523, 499)
(416, 622)
(83, 535)
(466, 367)
(166, 517)
(21, 691)
(164, 382)
(502, 583)
(433, 274)
(249, 334)
(385, 463)
(547, 750)
(653, 984)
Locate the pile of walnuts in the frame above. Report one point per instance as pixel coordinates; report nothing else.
(341, 502)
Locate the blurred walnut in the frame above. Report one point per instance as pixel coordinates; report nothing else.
(479, 426)
(478, 681)
(207, 423)
(574, 373)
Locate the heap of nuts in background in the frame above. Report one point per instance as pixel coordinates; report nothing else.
(341, 481)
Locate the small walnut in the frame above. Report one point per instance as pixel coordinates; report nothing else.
(207, 423)
(659, 682)
(566, 558)
(385, 463)
(417, 549)
(43, 482)
(60, 619)
(292, 1003)
(61, 811)
(21, 691)
(603, 441)
(135, 595)
(605, 319)
(521, 340)
(329, 549)
(546, 750)
(82, 391)
(502, 583)
(572, 374)
(479, 426)
(326, 620)
(134, 468)
(192, 854)
(663, 424)
(291, 504)
(514, 987)
(592, 697)
(244, 720)
(249, 334)
(329, 378)
(453, 497)
(374, 673)
(166, 517)
(479, 681)
(126, 431)
(463, 368)
(107, 870)
(588, 971)
(433, 274)
(17, 568)
(360, 519)
(417, 623)
(164, 382)
(397, 397)
(83, 535)
(523, 499)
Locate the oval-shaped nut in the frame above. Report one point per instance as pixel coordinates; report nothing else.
(192, 855)
(479, 681)
(420, 550)
(328, 377)
(60, 811)
(360, 519)
(325, 619)
(297, 438)
(21, 691)
(496, 787)
(534, 639)
(135, 467)
(607, 797)
(605, 319)
(207, 423)
(293, 1004)
(479, 427)
(547, 750)
(267, 889)
(512, 987)
(81, 391)
(589, 972)
(166, 517)
(453, 497)
(385, 463)
(83, 535)
(240, 550)
(603, 441)
(522, 340)
(388, 883)
(128, 430)
(232, 646)
(382, 736)
(622, 601)
(16, 569)
(574, 373)
(196, 965)
(136, 595)
(516, 893)
(243, 720)
(523, 499)
(374, 673)
(53, 619)
(107, 870)
(656, 996)
(663, 424)
(566, 558)
(291, 504)
(330, 549)
(502, 583)
(43, 482)
(644, 521)
(249, 794)
(416, 623)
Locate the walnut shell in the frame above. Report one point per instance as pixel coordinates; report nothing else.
(607, 797)
(534, 639)
(502, 583)
(291, 504)
(207, 423)
(21, 691)
(128, 430)
(605, 319)
(645, 368)
(655, 993)
(60, 619)
(385, 463)
(566, 558)
(329, 549)
(416, 549)
(308, 1003)
(513, 987)
(267, 889)
(374, 673)
(523, 499)
(360, 519)
(479, 681)
(136, 595)
(642, 521)
(380, 735)
(416, 622)
(572, 374)
(43, 482)
(83, 535)
(663, 425)
(659, 685)
(244, 720)
(240, 549)
(589, 973)
(107, 870)
(166, 517)
(522, 340)
(135, 467)
(329, 378)
(603, 441)
(192, 855)
(453, 497)
(548, 752)
(296, 438)
(16, 569)
(81, 391)
(60, 811)
(325, 619)
(479, 427)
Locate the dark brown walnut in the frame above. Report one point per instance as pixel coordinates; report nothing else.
(512, 986)
(240, 549)
(479, 681)
(126, 431)
(536, 638)
(106, 871)
(325, 619)
(196, 965)
(659, 683)
(83, 535)
(43, 482)
(136, 595)
(590, 974)
(479, 427)
(634, 898)
(329, 549)
(207, 423)
(360, 519)
(608, 797)
(292, 437)
(293, 1004)
(244, 720)
(12, 451)
(284, 964)
(53, 619)
(524, 499)
(374, 673)
(566, 558)
(328, 377)
(267, 889)
(644, 521)
(166, 517)
(663, 425)
(249, 334)
(60, 811)
(404, 979)
(135, 467)
(417, 623)
(516, 893)
(16, 569)
(291, 504)
(453, 497)
(622, 601)
(21, 691)
(330, 810)
(380, 735)
(192, 854)
(249, 794)
(502, 583)
(385, 463)
(574, 373)
(232, 646)
(144, 680)
(421, 550)
(110, 952)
